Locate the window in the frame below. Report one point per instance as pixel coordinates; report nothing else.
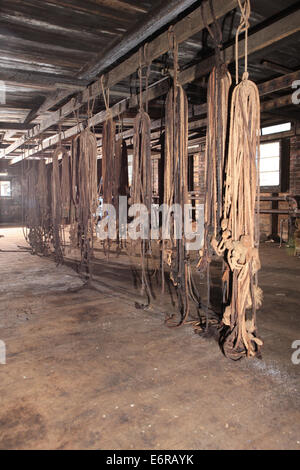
(287, 126)
(5, 188)
(270, 164)
(130, 169)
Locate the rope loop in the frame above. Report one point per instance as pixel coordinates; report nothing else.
(173, 44)
(214, 31)
(243, 28)
(105, 95)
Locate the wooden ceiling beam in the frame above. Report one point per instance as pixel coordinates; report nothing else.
(278, 84)
(280, 102)
(13, 126)
(36, 79)
(185, 28)
(62, 15)
(263, 38)
(269, 35)
(120, 5)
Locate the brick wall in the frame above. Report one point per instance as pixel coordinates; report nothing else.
(295, 165)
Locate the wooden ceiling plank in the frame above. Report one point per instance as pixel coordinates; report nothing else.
(13, 126)
(58, 15)
(63, 29)
(68, 41)
(38, 49)
(120, 5)
(38, 79)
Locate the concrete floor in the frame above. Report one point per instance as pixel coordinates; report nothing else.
(86, 369)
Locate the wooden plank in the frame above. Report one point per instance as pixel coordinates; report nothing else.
(98, 118)
(278, 136)
(36, 79)
(64, 38)
(278, 84)
(120, 5)
(13, 126)
(68, 14)
(160, 124)
(276, 103)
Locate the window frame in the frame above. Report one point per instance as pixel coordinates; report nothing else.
(9, 180)
(274, 188)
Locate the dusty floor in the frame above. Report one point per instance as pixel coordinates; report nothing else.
(87, 370)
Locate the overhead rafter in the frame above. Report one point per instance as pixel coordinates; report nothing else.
(13, 126)
(267, 36)
(280, 102)
(278, 84)
(158, 19)
(185, 28)
(257, 41)
(39, 79)
(120, 5)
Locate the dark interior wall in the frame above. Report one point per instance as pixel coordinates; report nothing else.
(295, 165)
(11, 208)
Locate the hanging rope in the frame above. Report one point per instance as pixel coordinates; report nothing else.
(174, 253)
(66, 186)
(108, 151)
(219, 84)
(57, 205)
(240, 225)
(141, 192)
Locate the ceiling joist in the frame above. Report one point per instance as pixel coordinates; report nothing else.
(257, 41)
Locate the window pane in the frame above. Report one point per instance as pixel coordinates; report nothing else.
(269, 178)
(269, 164)
(270, 150)
(274, 129)
(5, 188)
(130, 169)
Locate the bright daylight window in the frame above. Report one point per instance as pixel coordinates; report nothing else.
(287, 126)
(270, 164)
(5, 189)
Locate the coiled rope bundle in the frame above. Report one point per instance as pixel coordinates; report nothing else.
(240, 225)
(108, 153)
(219, 84)
(84, 196)
(174, 252)
(57, 205)
(142, 176)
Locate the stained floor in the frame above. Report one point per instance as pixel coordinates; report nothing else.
(86, 370)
